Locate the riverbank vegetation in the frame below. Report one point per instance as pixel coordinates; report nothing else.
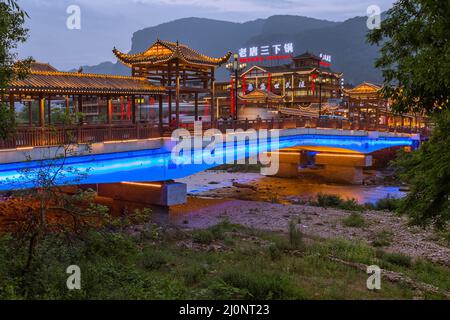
(414, 59)
(225, 261)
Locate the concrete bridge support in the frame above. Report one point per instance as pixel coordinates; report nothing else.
(334, 167)
(164, 194)
(343, 168)
(288, 163)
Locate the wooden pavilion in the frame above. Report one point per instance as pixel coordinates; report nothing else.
(114, 97)
(179, 69)
(366, 104)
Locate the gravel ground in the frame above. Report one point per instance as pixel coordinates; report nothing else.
(226, 201)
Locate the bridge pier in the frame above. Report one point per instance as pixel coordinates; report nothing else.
(334, 167)
(343, 168)
(288, 164)
(166, 194)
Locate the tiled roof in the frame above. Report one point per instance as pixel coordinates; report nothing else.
(307, 55)
(163, 51)
(39, 66)
(365, 88)
(57, 82)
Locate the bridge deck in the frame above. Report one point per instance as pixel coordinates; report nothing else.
(59, 135)
(160, 165)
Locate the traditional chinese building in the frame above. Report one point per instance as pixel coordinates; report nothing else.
(306, 80)
(182, 71)
(45, 94)
(367, 106)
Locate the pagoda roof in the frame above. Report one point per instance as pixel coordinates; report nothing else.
(365, 88)
(307, 55)
(162, 52)
(56, 82)
(295, 70)
(39, 66)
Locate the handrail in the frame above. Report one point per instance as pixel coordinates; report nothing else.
(95, 133)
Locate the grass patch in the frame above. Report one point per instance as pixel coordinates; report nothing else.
(354, 220)
(398, 259)
(118, 266)
(383, 239)
(388, 204)
(335, 201)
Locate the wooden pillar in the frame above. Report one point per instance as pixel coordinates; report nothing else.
(30, 113)
(133, 109)
(67, 106)
(161, 114)
(109, 110)
(41, 111)
(177, 97)
(49, 110)
(80, 109)
(213, 102)
(169, 84)
(12, 105)
(196, 106)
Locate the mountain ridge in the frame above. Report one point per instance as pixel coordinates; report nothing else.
(345, 41)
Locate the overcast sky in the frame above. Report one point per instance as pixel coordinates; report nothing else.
(109, 23)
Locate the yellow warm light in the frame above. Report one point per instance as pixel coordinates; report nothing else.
(150, 185)
(361, 156)
(120, 141)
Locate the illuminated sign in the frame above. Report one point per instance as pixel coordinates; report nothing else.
(326, 60)
(266, 52)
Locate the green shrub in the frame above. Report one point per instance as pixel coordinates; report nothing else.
(355, 220)
(274, 252)
(398, 259)
(383, 239)
(295, 236)
(153, 259)
(389, 204)
(203, 236)
(335, 201)
(328, 200)
(217, 232)
(258, 285)
(193, 274)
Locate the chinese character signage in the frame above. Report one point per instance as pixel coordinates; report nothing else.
(326, 60)
(266, 52)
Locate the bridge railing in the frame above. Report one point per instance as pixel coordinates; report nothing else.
(50, 136)
(36, 137)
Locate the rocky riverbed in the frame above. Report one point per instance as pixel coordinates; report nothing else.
(269, 204)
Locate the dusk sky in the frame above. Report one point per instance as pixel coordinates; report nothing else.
(109, 23)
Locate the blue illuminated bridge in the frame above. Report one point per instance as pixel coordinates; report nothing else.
(159, 164)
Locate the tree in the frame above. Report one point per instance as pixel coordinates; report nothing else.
(46, 201)
(415, 61)
(415, 55)
(12, 32)
(427, 171)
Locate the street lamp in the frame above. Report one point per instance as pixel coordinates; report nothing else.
(235, 67)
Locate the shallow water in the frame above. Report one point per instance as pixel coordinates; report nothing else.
(295, 189)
